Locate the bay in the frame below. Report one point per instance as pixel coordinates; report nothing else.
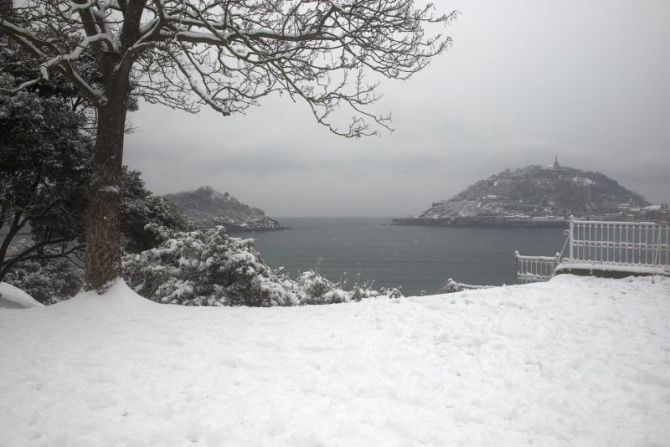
(416, 259)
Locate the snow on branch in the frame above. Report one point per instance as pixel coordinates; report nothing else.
(242, 51)
(47, 51)
(228, 54)
(74, 54)
(76, 6)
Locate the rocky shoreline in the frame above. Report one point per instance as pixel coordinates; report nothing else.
(479, 221)
(266, 224)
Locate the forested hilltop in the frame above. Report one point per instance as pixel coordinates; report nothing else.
(537, 194)
(208, 208)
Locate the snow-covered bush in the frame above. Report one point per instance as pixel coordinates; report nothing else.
(392, 292)
(48, 280)
(319, 290)
(197, 268)
(209, 268)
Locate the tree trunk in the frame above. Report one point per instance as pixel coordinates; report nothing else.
(103, 225)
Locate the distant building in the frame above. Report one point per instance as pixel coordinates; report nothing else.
(491, 198)
(555, 166)
(656, 213)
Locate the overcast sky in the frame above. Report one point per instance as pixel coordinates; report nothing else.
(588, 80)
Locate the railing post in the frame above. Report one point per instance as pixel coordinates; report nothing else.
(571, 235)
(516, 264)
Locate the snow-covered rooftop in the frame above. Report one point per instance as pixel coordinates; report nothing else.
(575, 361)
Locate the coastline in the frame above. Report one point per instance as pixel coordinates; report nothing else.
(503, 221)
(493, 221)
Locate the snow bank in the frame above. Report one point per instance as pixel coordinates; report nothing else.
(576, 361)
(118, 297)
(13, 297)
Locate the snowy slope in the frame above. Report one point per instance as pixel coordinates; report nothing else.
(576, 361)
(13, 297)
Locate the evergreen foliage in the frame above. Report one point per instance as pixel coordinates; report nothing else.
(210, 268)
(44, 161)
(47, 279)
(142, 212)
(45, 165)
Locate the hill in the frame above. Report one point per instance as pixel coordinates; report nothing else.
(538, 194)
(208, 207)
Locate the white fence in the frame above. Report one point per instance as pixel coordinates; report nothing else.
(635, 247)
(535, 268)
(628, 247)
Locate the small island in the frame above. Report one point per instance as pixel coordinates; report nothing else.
(208, 208)
(540, 196)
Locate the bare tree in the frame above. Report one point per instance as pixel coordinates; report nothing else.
(225, 54)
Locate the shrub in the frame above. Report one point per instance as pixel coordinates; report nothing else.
(48, 280)
(207, 268)
(194, 268)
(212, 269)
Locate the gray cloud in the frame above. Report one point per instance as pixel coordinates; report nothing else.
(524, 81)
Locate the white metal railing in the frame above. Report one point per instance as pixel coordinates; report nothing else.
(535, 268)
(632, 246)
(629, 247)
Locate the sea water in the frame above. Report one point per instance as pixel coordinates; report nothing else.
(417, 259)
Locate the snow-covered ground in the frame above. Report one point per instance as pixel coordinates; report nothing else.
(12, 297)
(575, 361)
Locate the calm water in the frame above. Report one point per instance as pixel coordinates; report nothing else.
(415, 258)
